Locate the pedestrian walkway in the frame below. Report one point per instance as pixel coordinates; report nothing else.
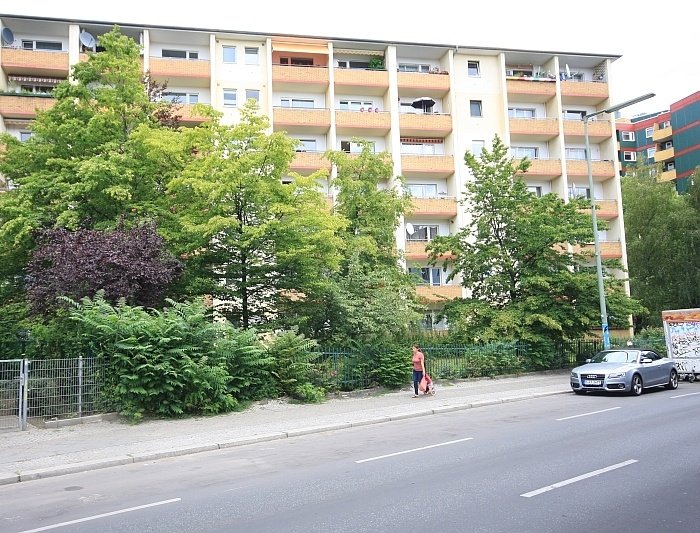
(44, 452)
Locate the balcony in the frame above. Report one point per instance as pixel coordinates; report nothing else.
(437, 208)
(543, 168)
(24, 106)
(605, 209)
(299, 78)
(425, 125)
(601, 170)
(533, 129)
(535, 90)
(428, 294)
(423, 84)
(662, 134)
(363, 124)
(301, 120)
(306, 163)
(371, 82)
(189, 115)
(669, 175)
(598, 131)
(608, 249)
(661, 156)
(584, 92)
(415, 250)
(427, 166)
(188, 72)
(35, 62)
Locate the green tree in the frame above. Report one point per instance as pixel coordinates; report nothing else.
(663, 243)
(253, 241)
(518, 259)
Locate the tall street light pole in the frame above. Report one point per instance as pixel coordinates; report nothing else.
(596, 240)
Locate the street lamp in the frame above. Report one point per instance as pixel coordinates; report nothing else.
(596, 240)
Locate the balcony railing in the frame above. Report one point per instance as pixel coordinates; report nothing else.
(425, 125)
(363, 123)
(415, 250)
(601, 170)
(605, 209)
(668, 175)
(423, 84)
(437, 166)
(531, 90)
(35, 62)
(598, 130)
(664, 155)
(24, 105)
(608, 249)
(370, 81)
(584, 92)
(294, 75)
(662, 134)
(165, 67)
(444, 207)
(438, 293)
(307, 162)
(544, 168)
(534, 129)
(301, 119)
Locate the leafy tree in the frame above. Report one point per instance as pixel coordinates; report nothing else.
(514, 258)
(130, 264)
(253, 242)
(663, 244)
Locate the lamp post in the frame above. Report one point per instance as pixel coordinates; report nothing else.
(596, 240)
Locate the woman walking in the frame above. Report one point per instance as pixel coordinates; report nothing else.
(418, 360)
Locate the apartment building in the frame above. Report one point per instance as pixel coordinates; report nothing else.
(425, 104)
(670, 139)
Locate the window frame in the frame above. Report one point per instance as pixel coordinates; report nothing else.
(230, 92)
(649, 132)
(186, 54)
(250, 57)
(291, 100)
(630, 136)
(632, 156)
(255, 97)
(231, 49)
(478, 106)
(473, 69)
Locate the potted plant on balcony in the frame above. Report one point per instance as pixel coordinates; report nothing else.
(376, 63)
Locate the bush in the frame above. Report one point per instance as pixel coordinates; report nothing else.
(392, 367)
(292, 355)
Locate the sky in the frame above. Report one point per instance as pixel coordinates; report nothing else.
(659, 41)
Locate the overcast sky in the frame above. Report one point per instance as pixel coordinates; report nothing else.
(660, 53)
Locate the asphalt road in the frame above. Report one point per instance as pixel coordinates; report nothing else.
(560, 463)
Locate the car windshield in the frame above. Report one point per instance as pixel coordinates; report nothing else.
(616, 357)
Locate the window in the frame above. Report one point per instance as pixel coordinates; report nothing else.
(519, 152)
(577, 154)
(181, 98)
(535, 189)
(665, 124)
(229, 54)
(252, 94)
(230, 97)
(347, 63)
(37, 89)
(629, 156)
(356, 105)
(651, 152)
(180, 54)
(670, 166)
(573, 114)
(307, 145)
(297, 103)
(422, 233)
(475, 108)
(668, 144)
(42, 45)
(427, 275)
(473, 69)
(414, 67)
(576, 191)
(423, 190)
(252, 56)
(421, 148)
(298, 61)
(521, 112)
(628, 136)
(649, 133)
(477, 146)
(354, 148)
(24, 135)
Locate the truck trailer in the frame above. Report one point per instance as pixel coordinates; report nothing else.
(682, 332)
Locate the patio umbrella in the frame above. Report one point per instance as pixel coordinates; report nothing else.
(424, 103)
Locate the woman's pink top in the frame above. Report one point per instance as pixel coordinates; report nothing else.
(418, 359)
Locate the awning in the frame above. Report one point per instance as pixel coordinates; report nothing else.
(418, 140)
(354, 52)
(300, 48)
(34, 79)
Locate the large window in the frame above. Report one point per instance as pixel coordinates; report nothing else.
(577, 154)
(230, 97)
(252, 94)
(629, 156)
(475, 108)
(473, 70)
(297, 103)
(478, 146)
(307, 145)
(649, 132)
(356, 105)
(180, 54)
(628, 136)
(427, 275)
(252, 56)
(229, 54)
(414, 67)
(573, 114)
(521, 112)
(651, 152)
(535, 189)
(181, 98)
(577, 191)
(422, 233)
(42, 45)
(38, 89)
(422, 190)
(297, 61)
(353, 64)
(519, 152)
(422, 147)
(355, 148)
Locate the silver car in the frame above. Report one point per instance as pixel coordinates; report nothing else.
(625, 370)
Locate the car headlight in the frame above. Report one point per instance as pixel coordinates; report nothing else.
(617, 374)
(574, 375)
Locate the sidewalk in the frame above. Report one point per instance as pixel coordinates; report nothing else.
(38, 453)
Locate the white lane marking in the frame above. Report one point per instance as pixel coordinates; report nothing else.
(683, 395)
(586, 414)
(413, 450)
(577, 478)
(95, 517)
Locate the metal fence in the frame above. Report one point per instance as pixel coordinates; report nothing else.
(50, 389)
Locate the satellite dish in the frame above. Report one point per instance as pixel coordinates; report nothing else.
(568, 72)
(7, 36)
(87, 40)
(410, 229)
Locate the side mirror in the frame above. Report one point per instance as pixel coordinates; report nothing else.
(589, 360)
(646, 360)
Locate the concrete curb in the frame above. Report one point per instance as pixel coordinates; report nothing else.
(74, 468)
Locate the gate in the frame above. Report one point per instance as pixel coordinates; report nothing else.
(13, 393)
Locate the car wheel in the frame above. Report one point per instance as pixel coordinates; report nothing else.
(691, 378)
(672, 381)
(637, 385)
